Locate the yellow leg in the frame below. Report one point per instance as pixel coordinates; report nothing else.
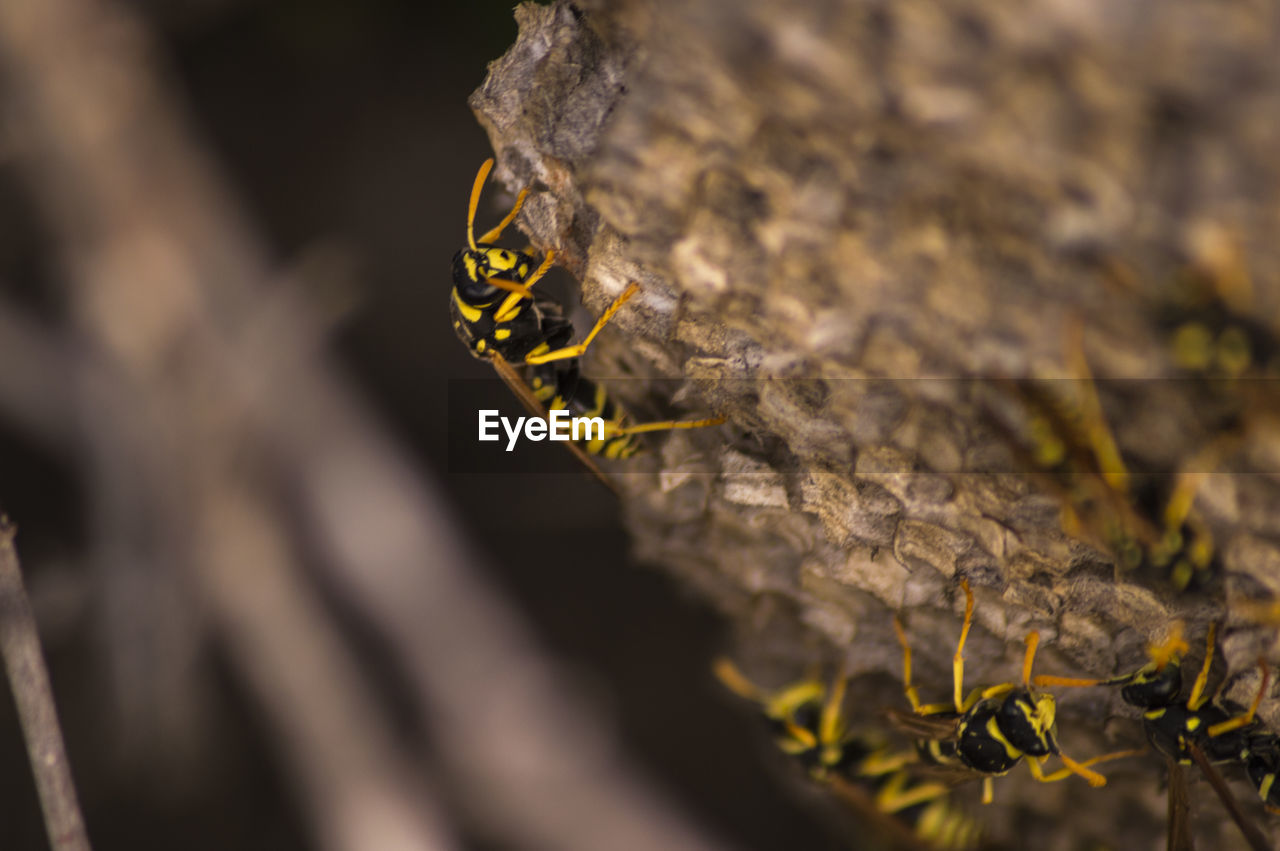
(734, 680)
(577, 351)
(957, 661)
(1072, 767)
(1247, 718)
(1065, 682)
(1078, 768)
(805, 737)
(830, 724)
(988, 792)
(1101, 440)
(1198, 697)
(894, 798)
(1028, 660)
(913, 695)
(663, 425)
(878, 765)
(1184, 494)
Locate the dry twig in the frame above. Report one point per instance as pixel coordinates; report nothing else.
(29, 679)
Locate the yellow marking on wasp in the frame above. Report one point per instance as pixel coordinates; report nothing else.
(501, 333)
(469, 261)
(993, 730)
(519, 292)
(509, 309)
(468, 312)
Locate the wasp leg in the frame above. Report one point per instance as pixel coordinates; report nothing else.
(879, 764)
(735, 681)
(663, 425)
(957, 661)
(830, 724)
(1080, 768)
(1247, 718)
(577, 351)
(896, 795)
(1101, 440)
(912, 693)
(780, 705)
(1169, 650)
(1032, 641)
(1198, 697)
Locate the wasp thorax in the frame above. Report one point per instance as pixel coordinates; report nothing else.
(1150, 690)
(1026, 721)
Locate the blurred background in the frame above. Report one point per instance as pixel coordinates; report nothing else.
(341, 130)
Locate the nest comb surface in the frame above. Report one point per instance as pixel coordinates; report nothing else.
(855, 226)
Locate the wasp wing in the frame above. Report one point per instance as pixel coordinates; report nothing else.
(940, 727)
(892, 832)
(1252, 834)
(512, 378)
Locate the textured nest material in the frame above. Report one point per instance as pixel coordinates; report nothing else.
(846, 219)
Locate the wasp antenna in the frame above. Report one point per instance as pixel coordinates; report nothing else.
(521, 290)
(1170, 649)
(481, 176)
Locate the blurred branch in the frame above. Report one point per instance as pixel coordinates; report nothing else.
(29, 679)
(221, 417)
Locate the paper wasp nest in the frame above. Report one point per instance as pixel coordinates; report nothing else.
(862, 230)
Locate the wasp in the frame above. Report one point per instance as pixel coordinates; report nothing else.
(1199, 729)
(1147, 522)
(990, 730)
(808, 725)
(526, 336)
(1261, 758)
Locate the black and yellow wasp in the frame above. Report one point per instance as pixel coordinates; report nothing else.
(1261, 758)
(990, 730)
(807, 724)
(1200, 730)
(1208, 314)
(1148, 522)
(526, 335)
